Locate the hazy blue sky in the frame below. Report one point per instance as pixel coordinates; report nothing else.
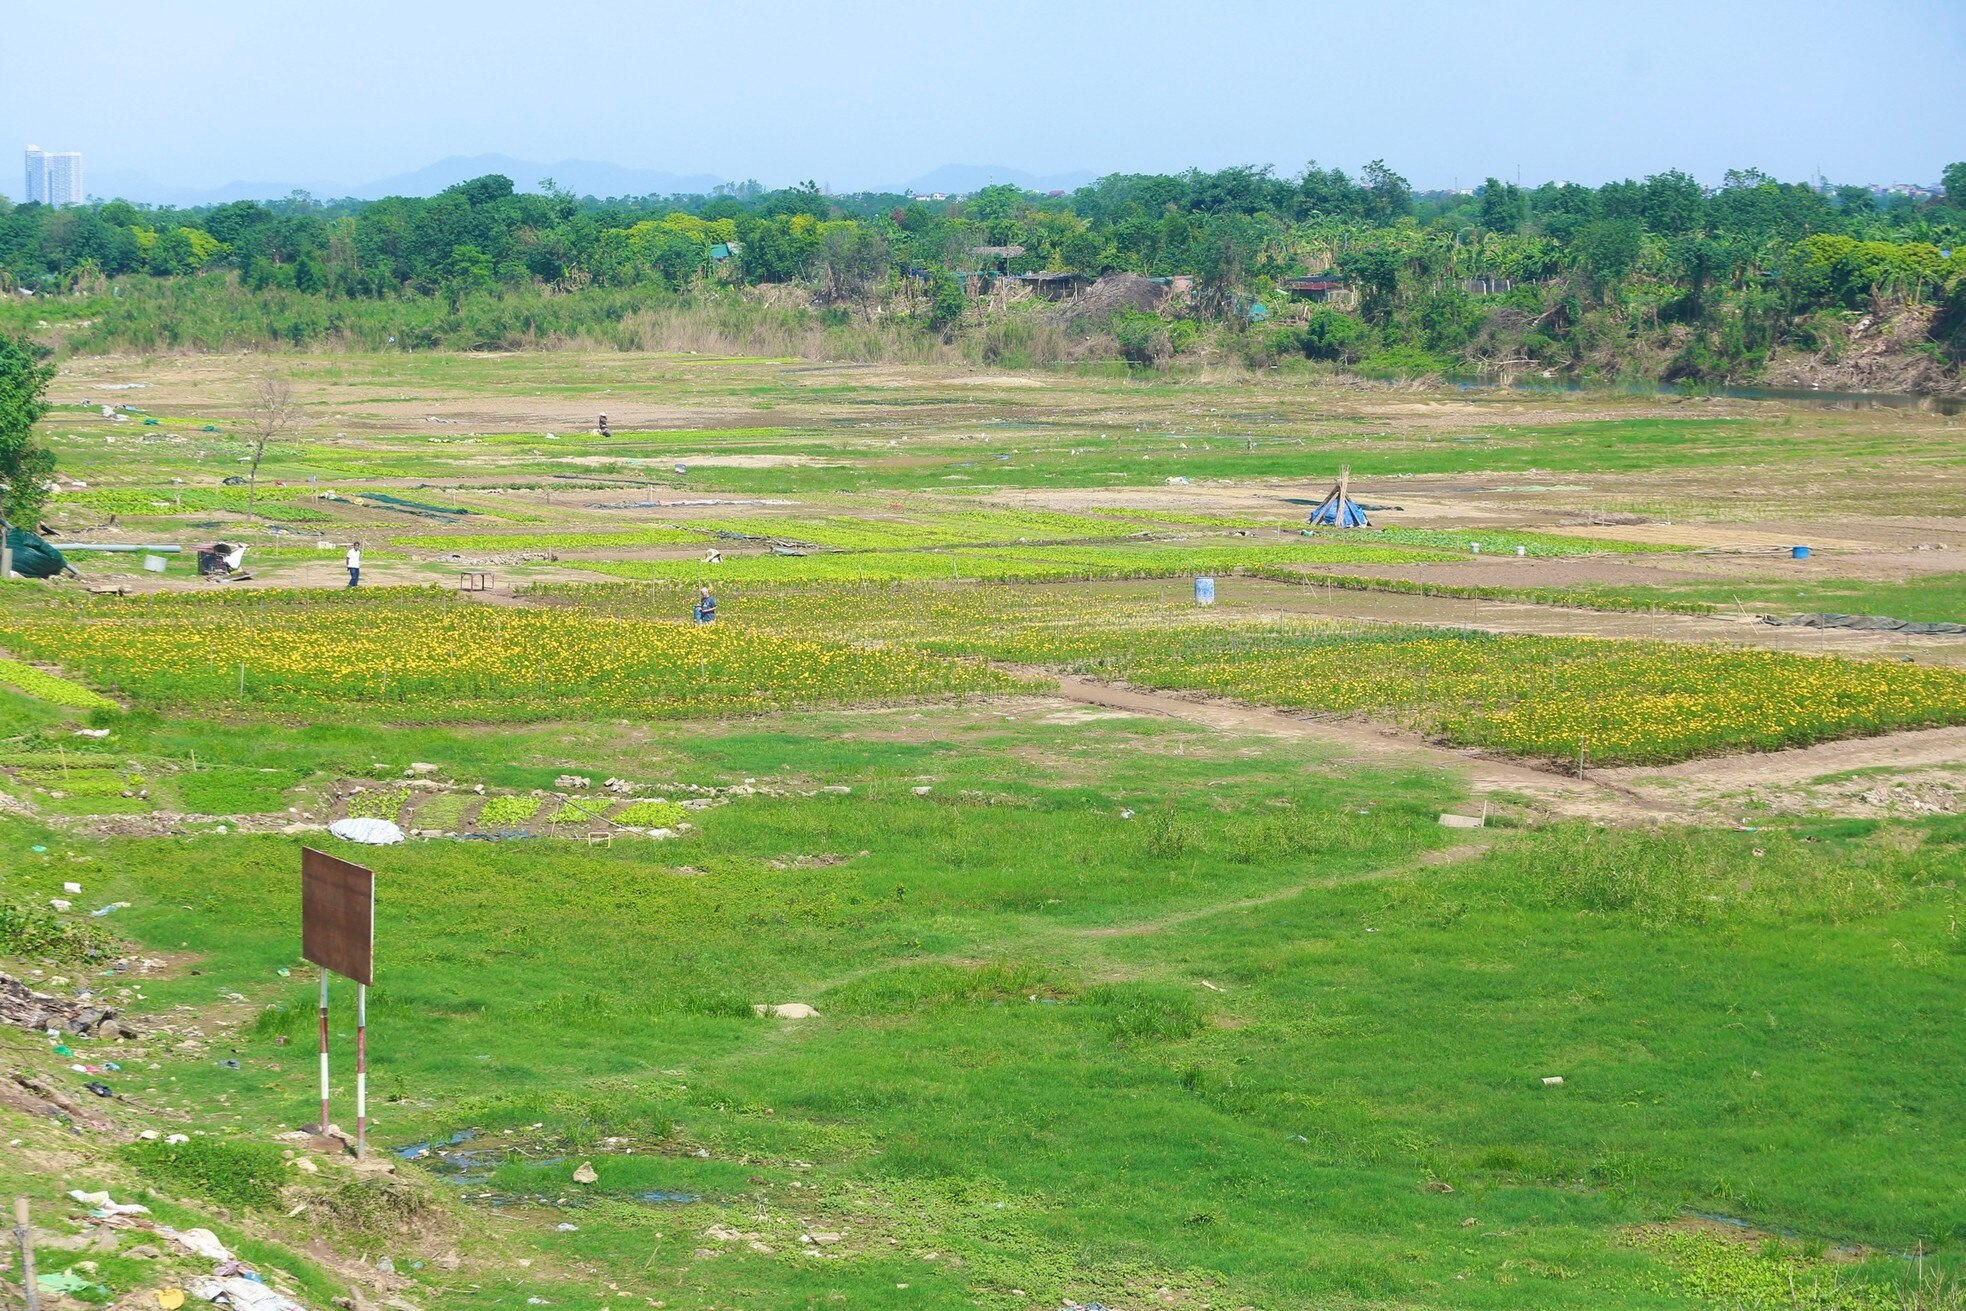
(883, 90)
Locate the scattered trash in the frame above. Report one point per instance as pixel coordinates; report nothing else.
(229, 1064)
(1126, 814)
(100, 1089)
(1552, 1081)
(922, 791)
(242, 1294)
(37, 847)
(170, 1299)
(75, 888)
(104, 1206)
(203, 1242)
(1448, 820)
(385, 1265)
(67, 1281)
(791, 1010)
(585, 1174)
(110, 909)
(566, 1228)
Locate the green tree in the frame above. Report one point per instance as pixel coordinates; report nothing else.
(1390, 195)
(1954, 178)
(946, 307)
(468, 269)
(1504, 207)
(24, 463)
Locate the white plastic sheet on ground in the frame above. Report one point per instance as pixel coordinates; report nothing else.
(376, 832)
(242, 1294)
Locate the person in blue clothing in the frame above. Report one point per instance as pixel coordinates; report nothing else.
(706, 608)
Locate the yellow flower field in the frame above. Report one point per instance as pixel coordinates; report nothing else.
(428, 658)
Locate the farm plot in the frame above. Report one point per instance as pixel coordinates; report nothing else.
(419, 656)
(1624, 702)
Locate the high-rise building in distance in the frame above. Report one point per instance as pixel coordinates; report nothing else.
(54, 177)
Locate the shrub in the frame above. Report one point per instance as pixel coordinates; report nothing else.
(227, 1171)
(27, 931)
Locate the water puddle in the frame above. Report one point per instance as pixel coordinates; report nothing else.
(451, 1160)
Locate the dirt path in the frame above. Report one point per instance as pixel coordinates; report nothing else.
(1260, 597)
(1919, 749)
(1588, 798)
(1175, 919)
(1693, 791)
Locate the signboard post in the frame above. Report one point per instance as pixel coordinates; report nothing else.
(337, 933)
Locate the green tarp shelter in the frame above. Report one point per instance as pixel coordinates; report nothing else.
(33, 558)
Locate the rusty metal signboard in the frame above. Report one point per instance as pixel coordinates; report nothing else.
(337, 932)
(337, 915)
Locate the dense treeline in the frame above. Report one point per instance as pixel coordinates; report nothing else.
(1658, 277)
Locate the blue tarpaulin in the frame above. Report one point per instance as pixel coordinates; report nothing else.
(1338, 509)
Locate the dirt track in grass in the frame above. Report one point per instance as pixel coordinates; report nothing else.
(1695, 791)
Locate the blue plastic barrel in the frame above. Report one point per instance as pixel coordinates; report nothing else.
(1204, 591)
(1798, 553)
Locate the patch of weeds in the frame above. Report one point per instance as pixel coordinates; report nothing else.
(378, 1209)
(1165, 835)
(27, 931)
(235, 791)
(227, 1171)
(922, 987)
(1741, 1272)
(1146, 1012)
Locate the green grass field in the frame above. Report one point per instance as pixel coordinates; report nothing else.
(1113, 1008)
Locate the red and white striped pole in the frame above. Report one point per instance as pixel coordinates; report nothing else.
(324, 1050)
(361, 1069)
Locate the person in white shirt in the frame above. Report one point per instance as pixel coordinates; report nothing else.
(354, 564)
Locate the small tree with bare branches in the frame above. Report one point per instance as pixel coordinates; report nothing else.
(273, 413)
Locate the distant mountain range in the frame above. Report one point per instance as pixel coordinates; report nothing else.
(581, 176)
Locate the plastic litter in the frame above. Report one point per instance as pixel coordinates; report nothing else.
(242, 1294)
(67, 1281)
(75, 888)
(100, 1089)
(170, 1299)
(110, 909)
(203, 1242)
(103, 1203)
(375, 832)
